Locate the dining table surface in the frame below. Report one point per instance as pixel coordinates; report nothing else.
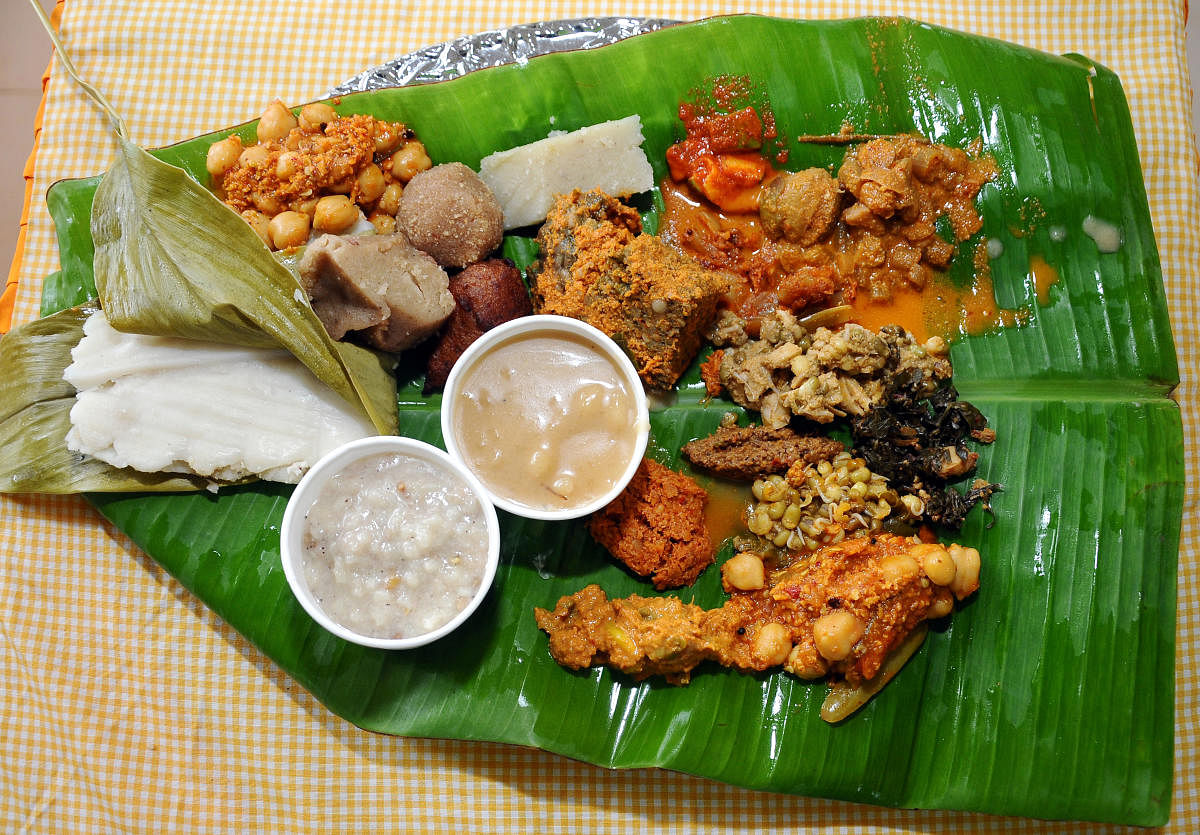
(127, 705)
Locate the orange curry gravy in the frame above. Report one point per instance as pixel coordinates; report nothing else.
(887, 265)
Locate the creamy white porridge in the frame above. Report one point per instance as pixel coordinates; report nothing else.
(394, 546)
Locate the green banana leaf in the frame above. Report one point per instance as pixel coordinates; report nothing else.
(1050, 693)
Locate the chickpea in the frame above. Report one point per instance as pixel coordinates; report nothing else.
(836, 633)
(940, 607)
(389, 201)
(410, 161)
(772, 644)
(276, 122)
(387, 134)
(254, 156)
(287, 166)
(309, 206)
(289, 229)
(314, 117)
(936, 562)
(966, 577)
(334, 214)
(805, 662)
(343, 186)
(744, 572)
(223, 155)
(370, 184)
(384, 224)
(898, 568)
(266, 202)
(259, 222)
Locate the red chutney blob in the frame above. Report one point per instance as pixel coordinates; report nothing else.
(722, 155)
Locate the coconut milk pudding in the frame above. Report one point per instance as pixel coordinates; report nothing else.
(546, 420)
(394, 546)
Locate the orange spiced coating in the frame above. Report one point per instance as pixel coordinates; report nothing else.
(656, 526)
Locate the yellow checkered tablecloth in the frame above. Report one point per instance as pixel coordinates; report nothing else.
(126, 705)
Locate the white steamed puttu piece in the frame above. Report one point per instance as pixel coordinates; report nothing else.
(163, 404)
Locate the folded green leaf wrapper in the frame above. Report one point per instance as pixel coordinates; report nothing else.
(170, 259)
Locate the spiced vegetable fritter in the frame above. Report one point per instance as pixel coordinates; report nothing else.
(840, 612)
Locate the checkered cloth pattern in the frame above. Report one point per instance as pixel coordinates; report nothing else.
(127, 706)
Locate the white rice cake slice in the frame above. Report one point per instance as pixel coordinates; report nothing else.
(159, 404)
(607, 156)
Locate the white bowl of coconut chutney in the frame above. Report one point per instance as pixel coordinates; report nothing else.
(388, 542)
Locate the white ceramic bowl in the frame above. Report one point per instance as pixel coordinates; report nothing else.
(308, 490)
(525, 326)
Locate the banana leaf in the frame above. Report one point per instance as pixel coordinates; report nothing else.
(1050, 693)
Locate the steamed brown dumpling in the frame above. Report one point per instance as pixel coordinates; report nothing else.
(448, 212)
(378, 285)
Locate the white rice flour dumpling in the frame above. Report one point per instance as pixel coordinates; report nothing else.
(160, 404)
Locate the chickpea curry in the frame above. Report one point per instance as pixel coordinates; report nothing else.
(316, 171)
(842, 610)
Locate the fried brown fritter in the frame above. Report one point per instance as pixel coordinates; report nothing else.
(840, 612)
(486, 294)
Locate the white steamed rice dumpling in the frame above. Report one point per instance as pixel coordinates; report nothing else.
(162, 404)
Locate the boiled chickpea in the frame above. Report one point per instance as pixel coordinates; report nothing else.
(223, 155)
(936, 563)
(389, 201)
(260, 223)
(287, 165)
(940, 607)
(772, 644)
(313, 117)
(966, 577)
(309, 206)
(803, 661)
(289, 229)
(334, 214)
(898, 568)
(342, 186)
(836, 633)
(276, 122)
(255, 155)
(410, 161)
(744, 572)
(370, 184)
(387, 134)
(384, 224)
(266, 202)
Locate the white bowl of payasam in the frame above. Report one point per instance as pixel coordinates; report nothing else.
(549, 414)
(388, 542)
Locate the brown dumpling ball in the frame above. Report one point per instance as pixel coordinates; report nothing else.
(800, 207)
(448, 212)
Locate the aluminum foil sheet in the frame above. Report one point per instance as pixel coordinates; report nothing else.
(511, 45)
